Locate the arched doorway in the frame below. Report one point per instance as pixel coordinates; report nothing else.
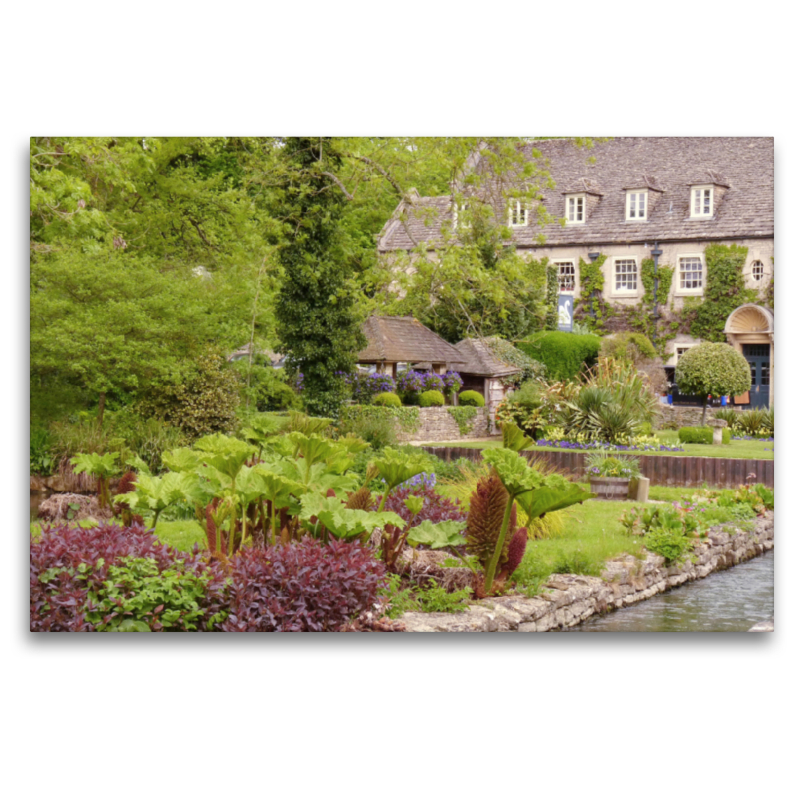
(751, 330)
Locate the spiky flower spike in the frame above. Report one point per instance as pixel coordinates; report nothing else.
(360, 500)
(485, 519)
(516, 550)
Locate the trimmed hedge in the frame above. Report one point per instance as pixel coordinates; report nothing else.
(564, 355)
(702, 435)
(387, 399)
(431, 398)
(470, 398)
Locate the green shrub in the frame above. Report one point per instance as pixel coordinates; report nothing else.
(432, 598)
(379, 433)
(431, 398)
(670, 542)
(753, 422)
(43, 461)
(630, 347)
(387, 399)
(470, 398)
(268, 389)
(205, 402)
(564, 355)
(702, 435)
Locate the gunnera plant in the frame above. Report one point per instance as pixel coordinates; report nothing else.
(484, 526)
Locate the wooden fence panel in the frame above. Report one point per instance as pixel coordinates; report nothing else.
(661, 470)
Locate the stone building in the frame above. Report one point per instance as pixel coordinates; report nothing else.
(631, 200)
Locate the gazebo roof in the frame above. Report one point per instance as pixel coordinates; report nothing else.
(405, 339)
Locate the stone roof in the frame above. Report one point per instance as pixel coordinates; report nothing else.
(744, 166)
(405, 339)
(480, 360)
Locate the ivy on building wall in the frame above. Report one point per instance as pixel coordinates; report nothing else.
(723, 292)
(664, 281)
(551, 321)
(591, 309)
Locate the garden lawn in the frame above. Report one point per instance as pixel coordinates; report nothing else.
(736, 449)
(592, 536)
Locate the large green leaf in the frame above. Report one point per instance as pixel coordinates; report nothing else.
(224, 453)
(157, 493)
(437, 535)
(182, 459)
(513, 438)
(513, 469)
(102, 466)
(345, 523)
(396, 467)
(545, 499)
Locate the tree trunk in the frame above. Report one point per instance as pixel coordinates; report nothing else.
(101, 409)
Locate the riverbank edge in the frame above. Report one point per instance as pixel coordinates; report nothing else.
(569, 600)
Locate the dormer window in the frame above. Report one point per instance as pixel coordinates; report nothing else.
(517, 214)
(702, 202)
(636, 205)
(576, 209)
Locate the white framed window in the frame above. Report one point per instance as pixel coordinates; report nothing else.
(626, 276)
(679, 351)
(458, 210)
(757, 271)
(636, 205)
(517, 214)
(702, 202)
(690, 275)
(576, 209)
(566, 276)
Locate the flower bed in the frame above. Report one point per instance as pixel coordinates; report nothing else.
(567, 445)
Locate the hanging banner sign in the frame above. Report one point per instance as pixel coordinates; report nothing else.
(565, 305)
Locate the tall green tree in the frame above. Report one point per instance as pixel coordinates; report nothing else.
(319, 324)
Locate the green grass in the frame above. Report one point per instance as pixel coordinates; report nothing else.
(592, 536)
(760, 450)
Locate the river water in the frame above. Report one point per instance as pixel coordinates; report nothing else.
(731, 600)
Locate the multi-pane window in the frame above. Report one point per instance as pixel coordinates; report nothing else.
(625, 275)
(576, 209)
(517, 213)
(702, 201)
(636, 206)
(757, 270)
(679, 351)
(690, 274)
(566, 276)
(459, 210)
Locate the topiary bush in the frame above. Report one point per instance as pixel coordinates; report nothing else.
(387, 399)
(431, 398)
(471, 398)
(564, 355)
(702, 435)
(712, 369)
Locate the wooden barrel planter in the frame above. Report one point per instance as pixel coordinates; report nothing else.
(610, 488)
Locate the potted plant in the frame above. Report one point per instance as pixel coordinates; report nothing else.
(610, 475)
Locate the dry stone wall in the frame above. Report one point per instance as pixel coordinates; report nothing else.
(674, 417)
(439, 425)
(569, 600)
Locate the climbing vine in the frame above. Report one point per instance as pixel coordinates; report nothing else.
(463, 415)
(551, 321)
(723, 292)
(406, 417)
(591, 309)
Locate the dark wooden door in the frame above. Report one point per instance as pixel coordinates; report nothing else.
(757, 356)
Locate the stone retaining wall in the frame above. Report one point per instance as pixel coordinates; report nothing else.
(675, 417)
(569, 600)
(439, 425)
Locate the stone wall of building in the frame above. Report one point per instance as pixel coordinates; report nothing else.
(569, 600)
(439, 425)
